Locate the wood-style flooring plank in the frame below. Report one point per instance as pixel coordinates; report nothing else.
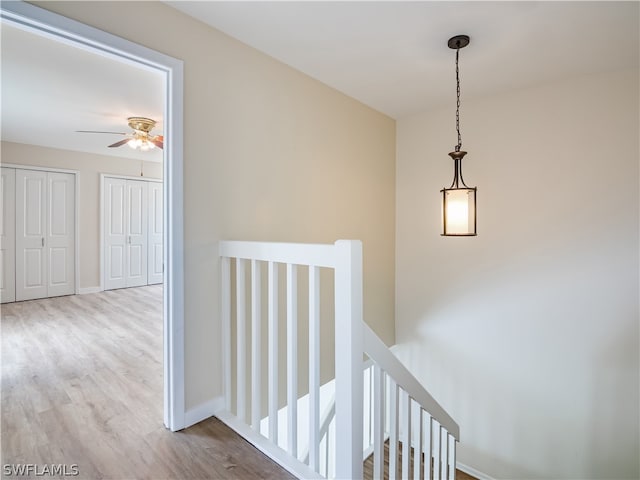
(82, 384)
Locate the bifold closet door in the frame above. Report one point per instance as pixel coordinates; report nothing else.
(8, 235)
(125, 233)
(137, 245)
(156, 260)
(45, 234)
(60, 240)
(31, 227)
(115, 233)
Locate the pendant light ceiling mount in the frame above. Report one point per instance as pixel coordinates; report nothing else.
(459, 41)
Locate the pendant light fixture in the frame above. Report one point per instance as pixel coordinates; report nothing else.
(458, 201)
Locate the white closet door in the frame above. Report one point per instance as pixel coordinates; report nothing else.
(155, 259)
(60, 239)
(137, 233)
(8, 235)
(115, 233)
(31, 228)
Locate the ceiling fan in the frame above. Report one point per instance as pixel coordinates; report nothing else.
(141, 137)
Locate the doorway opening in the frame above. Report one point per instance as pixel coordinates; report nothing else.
(62, 29)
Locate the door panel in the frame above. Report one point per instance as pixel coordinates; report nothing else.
(135, 263)
(115, 208)
(31, 223)
(59, 203)
(155, 258)
(60, 239)
(35, 198)
(58, 271)
(33, 259)
(116, 265)
(117, 200)
(137, 233)
(8, 235)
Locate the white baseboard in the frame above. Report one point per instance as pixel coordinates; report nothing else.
(203, 411)
(473, 472)
(85, 290)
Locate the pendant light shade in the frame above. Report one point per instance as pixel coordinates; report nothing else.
(459, 200)
(458, 204)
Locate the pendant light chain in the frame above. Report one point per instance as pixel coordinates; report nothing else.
(459, 145)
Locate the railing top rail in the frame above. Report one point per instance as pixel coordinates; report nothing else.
(318, 255)
(380, 354)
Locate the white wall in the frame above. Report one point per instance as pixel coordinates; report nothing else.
(528, 333)
(90, 166)
(270, 154)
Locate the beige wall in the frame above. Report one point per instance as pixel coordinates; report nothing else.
(270, 154)
(90, 166)
(528, 333)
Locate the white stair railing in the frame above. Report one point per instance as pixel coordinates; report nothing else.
(431, 445)
(412, 421)
(397, 408)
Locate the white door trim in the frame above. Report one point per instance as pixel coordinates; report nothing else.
(130, 177)
(43, 22)
(36, 167)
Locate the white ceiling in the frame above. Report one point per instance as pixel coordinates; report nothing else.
(393, 55)
(51, 89)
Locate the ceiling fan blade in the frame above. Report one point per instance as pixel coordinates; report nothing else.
(120, 143)
(93, 131)
(158, 141)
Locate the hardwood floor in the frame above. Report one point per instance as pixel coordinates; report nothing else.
(368, 466)
(82, 384)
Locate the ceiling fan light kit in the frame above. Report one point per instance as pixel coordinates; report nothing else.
(459, 200)
(142, 140)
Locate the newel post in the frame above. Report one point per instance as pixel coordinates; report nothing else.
(349, 358)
